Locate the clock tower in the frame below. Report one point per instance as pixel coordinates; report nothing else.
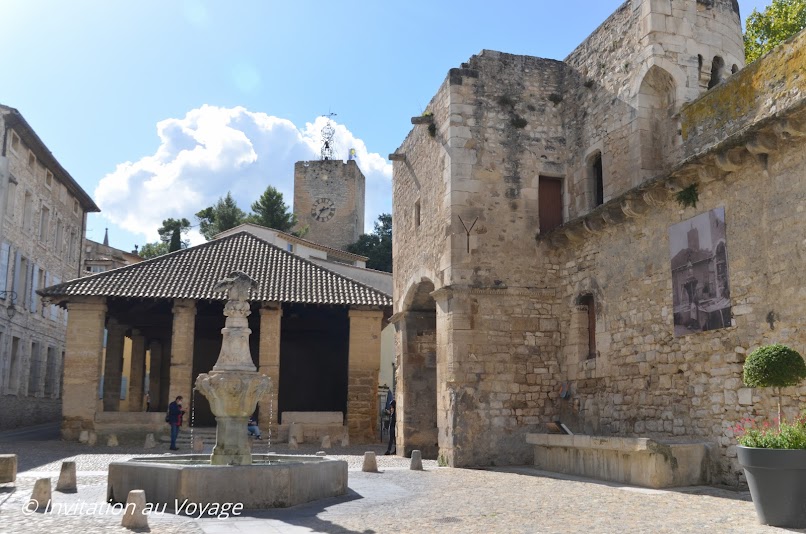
(329, 200)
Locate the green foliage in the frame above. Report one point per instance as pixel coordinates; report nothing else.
(376, 246)
(152, 250)
(222, 215)
(774, 366)
(271, 211)
(778, 22)
(767, 436)
(688, 197)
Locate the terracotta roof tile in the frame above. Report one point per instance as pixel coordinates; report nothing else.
(191, 274)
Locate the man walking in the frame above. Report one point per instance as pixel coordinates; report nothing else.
(175, 414)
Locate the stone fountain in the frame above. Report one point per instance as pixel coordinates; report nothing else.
(232, 474)
(233, 387)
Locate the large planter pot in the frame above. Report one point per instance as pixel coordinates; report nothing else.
(777, 481)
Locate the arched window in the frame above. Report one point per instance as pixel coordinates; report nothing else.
(588, 302)
(717, 71)
(596, 177)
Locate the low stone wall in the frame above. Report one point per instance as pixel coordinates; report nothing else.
(639, 461)
(26, 411)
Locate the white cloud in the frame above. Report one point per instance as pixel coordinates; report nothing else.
(213, 150)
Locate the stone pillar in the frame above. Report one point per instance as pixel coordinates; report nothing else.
(82, 364)
(362, 373)
(184, 331)
(154, 373)
(113, 368)
(138, 371)
(269, 362)
(165, 376)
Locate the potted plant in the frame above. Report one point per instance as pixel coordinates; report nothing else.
(774, 456)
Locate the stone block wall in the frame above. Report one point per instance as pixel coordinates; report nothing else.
(646, 381)
(321, 185)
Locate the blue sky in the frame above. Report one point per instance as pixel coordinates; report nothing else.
(121, 91)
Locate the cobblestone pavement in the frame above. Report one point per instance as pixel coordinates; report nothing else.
(393, 500)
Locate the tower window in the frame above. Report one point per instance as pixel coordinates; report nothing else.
(717, 71)
(588, 302)
(550, 203)
(597, 179)
(417, 214)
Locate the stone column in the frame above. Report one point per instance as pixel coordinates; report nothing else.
(113, 368)
(154, 373)
(165, 376)
(269, 362)
(82, 364)
(138, 371)
(362, 373)
(184, 331)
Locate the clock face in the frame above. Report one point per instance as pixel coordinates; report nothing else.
(323, 209)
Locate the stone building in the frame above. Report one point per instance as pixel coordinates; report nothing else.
(329, 201)
(42, 220)
(316, 333)
(536, 205)
(100, 257)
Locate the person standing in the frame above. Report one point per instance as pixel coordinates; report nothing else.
(392, 410)
(175, 413)
(148, 401)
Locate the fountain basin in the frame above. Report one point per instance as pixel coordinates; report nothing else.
(272, 481)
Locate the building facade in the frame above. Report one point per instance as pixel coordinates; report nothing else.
(600, 240)
(43, 216)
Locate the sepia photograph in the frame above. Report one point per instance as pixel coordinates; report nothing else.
(700, 273)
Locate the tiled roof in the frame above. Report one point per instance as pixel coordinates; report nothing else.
(191, 274)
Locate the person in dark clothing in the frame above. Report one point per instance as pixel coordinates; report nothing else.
(392, 411)
(175, 413)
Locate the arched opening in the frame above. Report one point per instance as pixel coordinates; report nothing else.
(417, 374)
(596, 178)
(734, 69)
(717, 71)
(588, 303)
(657, 131)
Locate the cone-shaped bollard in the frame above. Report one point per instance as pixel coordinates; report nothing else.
(134, 516)
(370, 463)
(345, 440)
(198, 445)
(416, 461)
(112, 441)
(326, 442)
(40, 497)
(150, 442)
(67, 478)
(292, 443)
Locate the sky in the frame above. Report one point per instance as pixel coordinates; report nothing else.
(159, 108)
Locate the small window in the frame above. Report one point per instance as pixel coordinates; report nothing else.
(717, 71)
(28, 211)
(44, 224)
(588, 302)
(597, 179)
(75, 206)
(34, 369)
(96, 268)
(15, 142)
(48, 179)
(550, 203)
(31, 160)
(11, 201)
(290, 247)
(417, 214)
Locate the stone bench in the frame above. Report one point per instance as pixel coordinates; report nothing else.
(8, 468)
(638, 461)
(314, 425)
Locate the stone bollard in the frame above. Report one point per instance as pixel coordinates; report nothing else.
(198, 445)
(84, 436)
(40, 497)
(150, 442)
(8, 468)
(67, 478)
(370, 463)
(292, 443)
(326, 442)
(416, 461)
(112, 441)
(92, 439)
(134, 516)
(296, 431)
(345, 440)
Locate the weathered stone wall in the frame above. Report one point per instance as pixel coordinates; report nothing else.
(337, 185)
(25, 411)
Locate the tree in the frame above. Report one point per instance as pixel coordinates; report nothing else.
(778, 22)
(223, 215)
(377, 246)
(152, 250)
(271, 211)
(171, 233)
